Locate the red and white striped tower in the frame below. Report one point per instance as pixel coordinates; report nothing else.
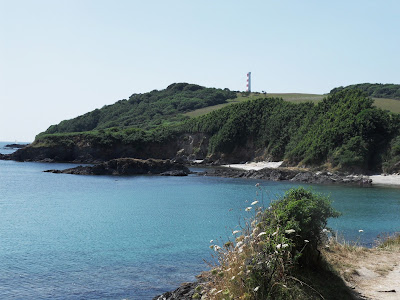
(248, 82)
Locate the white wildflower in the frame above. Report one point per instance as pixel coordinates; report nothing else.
(239, 244)
(256, 288)
(289, 231)
(254, 202)
(261, 234)
(285, 245)
(248, 208)
(236, 231)
(278, 246)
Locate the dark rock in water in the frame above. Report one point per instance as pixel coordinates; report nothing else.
(185, 291)
(16, 146)
(129, 166)
(174, 173)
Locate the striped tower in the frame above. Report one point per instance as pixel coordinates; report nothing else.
(248, 82)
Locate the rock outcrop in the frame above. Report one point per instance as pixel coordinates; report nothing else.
(185, 291)
(291, 175)
(15, 146)
(129, 166)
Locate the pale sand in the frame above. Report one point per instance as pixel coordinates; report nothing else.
(385, 180)
(255, 165)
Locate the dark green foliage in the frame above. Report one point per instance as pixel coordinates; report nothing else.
(376, 90)
(345, 129)
(147, 110)
(391, 162)
(307, 213)
(269, 123)
(292, 237)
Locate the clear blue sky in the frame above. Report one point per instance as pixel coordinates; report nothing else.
(63, 58)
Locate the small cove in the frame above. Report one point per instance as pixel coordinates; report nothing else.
(72, 237)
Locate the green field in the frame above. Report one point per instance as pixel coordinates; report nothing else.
(292, 97)
(383, 103)
(388, 104)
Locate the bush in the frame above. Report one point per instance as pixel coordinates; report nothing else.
(282, 239)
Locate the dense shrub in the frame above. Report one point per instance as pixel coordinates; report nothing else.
(147, 110)
(262, 263)
(376, 90)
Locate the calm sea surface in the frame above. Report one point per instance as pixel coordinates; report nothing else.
(101, 237)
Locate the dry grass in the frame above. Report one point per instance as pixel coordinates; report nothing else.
(343, 258)
(391, 243)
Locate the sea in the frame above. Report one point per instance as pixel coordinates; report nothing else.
(114, 237)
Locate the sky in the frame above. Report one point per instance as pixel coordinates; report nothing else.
(62, 58)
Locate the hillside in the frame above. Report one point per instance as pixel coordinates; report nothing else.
(390, 104)
(375, 90)
(343, 131)
(147, 110)
(291, 97)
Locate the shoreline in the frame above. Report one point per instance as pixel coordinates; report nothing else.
(376, 180)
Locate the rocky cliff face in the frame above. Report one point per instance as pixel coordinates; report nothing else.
(184, 147)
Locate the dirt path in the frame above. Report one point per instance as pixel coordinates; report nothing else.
(377, 275)
(372, 273)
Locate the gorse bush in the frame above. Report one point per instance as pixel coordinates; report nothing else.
(262, 263)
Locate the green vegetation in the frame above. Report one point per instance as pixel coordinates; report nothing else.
(343, 131)
(278, 255)
(376, 90)
(291, 97)
(147, 110)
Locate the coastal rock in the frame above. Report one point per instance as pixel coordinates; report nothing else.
(185, 291)
(280, 174)
(129, 166)
(16, 146)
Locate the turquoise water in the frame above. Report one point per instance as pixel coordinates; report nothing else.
(100, 237)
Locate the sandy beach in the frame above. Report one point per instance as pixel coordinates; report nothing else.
(255, 165)
(385, 179)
